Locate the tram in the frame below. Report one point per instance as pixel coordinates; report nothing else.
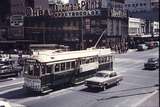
(46, 70)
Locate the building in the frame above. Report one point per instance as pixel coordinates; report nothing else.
(141, 30)
(145, 9)
(137, 5)
(4, 19)
(18, 10)
(73, 1)
(79, 27)
(136, 27)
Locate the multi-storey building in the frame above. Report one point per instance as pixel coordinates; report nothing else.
(4, 18)
(18, 10)
(141, 31)
(145, 9)
(79, 27)
(73, 1)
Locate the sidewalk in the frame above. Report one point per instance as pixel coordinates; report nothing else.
(153, 101)
(129, 50)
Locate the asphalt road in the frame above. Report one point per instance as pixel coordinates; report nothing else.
(138, 89)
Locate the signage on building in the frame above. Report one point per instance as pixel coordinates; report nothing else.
(85, 8)
(78, 13)
(118, 13)
(16, 20)
(84, 5)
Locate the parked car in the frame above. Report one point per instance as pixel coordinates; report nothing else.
(156, 43)
(152, 63)
(150, 45)
(102, 79)
(142, 47)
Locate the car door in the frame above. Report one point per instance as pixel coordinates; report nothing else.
(113, 77)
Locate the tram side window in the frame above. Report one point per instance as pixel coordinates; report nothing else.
(36, 70)
(106, 59)
(49, 68)
(30, 71)
(73, 64)
(26, 69)
(43, 69)
(111, 58)
(68, 64)
(57, 67)
(83, 61)
(62, 66)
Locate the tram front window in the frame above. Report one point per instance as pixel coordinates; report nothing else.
(36, 70)
(33, 70)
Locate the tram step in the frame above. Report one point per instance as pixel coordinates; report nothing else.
(47, 91)
(80, 82)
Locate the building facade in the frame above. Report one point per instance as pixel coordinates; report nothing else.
(141, 31)
(145, 9)
(4, 19)
(79, 28)
(73, 1)
(136, 27)
(18, 10)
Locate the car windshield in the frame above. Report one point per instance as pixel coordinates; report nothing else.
(101, 75)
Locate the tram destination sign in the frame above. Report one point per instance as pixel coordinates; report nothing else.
(85, 8)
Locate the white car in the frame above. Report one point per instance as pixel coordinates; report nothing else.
(4, 104)
(102, 79)
(142, 47)
(9, 104)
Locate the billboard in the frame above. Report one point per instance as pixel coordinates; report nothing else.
(16, 20)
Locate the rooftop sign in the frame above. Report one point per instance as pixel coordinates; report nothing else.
(85, 8)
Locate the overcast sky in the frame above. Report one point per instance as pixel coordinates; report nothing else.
(65, 1)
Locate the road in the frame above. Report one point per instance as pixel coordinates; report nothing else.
(138, 89)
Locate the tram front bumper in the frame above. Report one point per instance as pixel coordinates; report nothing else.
(32, 84)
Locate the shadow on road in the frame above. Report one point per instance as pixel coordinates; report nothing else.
(22, 93)
(96, 90)
(130, 89)
(17, 94)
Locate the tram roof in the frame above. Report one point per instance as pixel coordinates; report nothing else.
(54, 56)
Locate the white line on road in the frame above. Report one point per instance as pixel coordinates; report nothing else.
(11, 84)
(6, 91)
(138, 76)
(145, 99)
(129, 83)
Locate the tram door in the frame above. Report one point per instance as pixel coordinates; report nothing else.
(47, 78)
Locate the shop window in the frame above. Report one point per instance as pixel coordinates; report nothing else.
(133, 5)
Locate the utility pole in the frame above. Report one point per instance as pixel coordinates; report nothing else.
(82, 42)
(44, 38)
(100, 38)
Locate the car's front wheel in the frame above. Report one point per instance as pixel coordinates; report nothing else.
(104, 88)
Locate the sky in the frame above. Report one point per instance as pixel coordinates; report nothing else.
(65, 1)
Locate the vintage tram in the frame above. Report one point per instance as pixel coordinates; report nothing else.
(46, 70)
